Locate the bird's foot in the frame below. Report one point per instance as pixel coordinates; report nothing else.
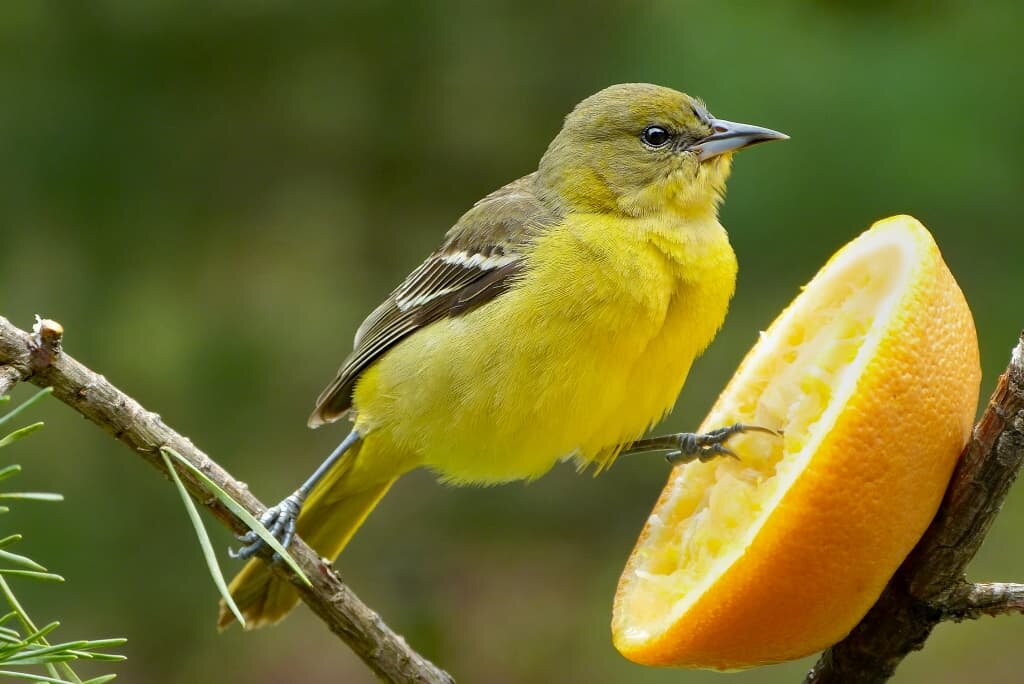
(684, 447)
(279, 521)
(704, 446)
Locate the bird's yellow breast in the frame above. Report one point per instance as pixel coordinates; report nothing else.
(587, 350)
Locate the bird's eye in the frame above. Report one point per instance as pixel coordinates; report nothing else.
(656, 136)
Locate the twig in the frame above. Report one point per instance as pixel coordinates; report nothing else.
(38, 359)
(985, 598)
(929, 587)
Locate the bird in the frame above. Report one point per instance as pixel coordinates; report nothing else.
(558, 320)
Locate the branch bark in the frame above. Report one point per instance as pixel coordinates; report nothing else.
(972, 601)
(37, 358)
(930, 587)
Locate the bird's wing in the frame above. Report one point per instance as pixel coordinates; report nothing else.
(479, 260)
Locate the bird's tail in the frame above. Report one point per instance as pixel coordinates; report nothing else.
(335, 509)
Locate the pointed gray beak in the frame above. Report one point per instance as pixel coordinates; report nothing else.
(729, 136)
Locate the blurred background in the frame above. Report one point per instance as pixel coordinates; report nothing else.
(211, 196)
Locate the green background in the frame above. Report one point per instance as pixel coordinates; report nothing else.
(210, 197)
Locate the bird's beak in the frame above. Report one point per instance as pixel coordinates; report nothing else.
(729, 136)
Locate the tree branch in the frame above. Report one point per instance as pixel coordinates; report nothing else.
(38, 359)
(930, 587)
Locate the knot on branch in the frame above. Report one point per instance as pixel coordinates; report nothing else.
(9, 377)
(45, 343)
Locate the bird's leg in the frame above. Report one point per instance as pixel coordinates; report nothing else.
(684, 447)
(280, 519)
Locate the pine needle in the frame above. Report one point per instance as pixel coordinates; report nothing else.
(25, 404)
(246, 517)
(204, 540)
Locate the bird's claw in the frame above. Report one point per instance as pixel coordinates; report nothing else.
(705, 446)
(703, 454)
(279, 521)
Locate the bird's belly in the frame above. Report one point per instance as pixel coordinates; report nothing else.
(479, 403)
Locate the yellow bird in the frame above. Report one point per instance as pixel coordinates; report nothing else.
(558, 320)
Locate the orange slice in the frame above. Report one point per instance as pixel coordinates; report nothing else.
(872, 376)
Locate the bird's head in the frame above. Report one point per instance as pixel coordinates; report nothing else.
(638, 149)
